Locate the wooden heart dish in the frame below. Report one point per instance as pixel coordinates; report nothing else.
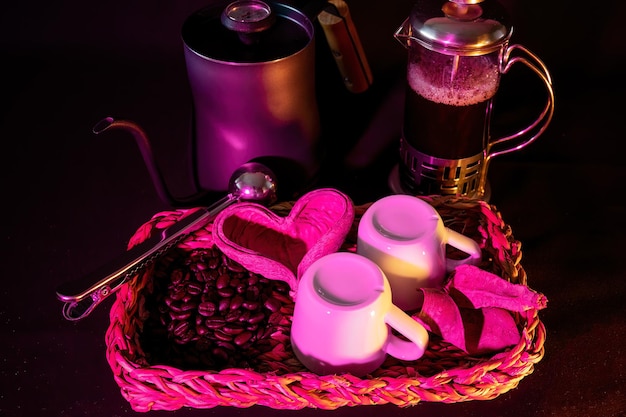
(282, 248)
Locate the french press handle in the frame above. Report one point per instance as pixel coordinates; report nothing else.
(527, 135)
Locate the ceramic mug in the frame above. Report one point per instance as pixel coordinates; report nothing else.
(406, 238)
(343, 317)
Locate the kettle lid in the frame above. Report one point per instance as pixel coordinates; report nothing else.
(463, 27)
(247, 31)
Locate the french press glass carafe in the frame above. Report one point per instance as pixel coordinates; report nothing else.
(457, 52)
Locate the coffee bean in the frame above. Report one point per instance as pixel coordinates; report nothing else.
(178, 294)
(233, 266)
(208, 275)
(253, 292)
(194, 288)
(222, 281)
(256, 318)
(275, 319)
(226, 292)
(216, 313)
(224, 305)
(232, 329)
(214, 323)
(232, 316)
(251, 305)
(198, 266)
(225, 345)
(282, 287)
(181, 328)
(242, 338)
(272, 304)
(244, 316)
(189, 305)
(236, 302)
(202, 330)
(281, 297)
(176, 306)
(207, 308)
(177, 277)
(220, 335)
(180, 316)
(213, 262)
(267, 332)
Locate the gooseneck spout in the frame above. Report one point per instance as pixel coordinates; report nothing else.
(250, 182)
(141, 138)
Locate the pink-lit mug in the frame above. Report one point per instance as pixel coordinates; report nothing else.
(405, 236)
(343, 318)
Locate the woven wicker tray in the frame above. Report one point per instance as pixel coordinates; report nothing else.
(180, 337)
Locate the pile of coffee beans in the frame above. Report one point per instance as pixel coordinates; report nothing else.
(208, 312)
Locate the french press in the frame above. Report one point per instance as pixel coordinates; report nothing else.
(457, 52)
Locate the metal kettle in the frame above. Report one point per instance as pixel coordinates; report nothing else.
(251, 69)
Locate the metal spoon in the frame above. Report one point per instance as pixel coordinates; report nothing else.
(252, 182)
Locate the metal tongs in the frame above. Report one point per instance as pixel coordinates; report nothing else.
(252, 182)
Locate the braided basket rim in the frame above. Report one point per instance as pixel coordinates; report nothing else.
(162, 387)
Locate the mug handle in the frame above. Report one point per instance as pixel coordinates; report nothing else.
(465, 244)
(407, 350)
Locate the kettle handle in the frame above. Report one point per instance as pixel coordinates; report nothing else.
(346, 46)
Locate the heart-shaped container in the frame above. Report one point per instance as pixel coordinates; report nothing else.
(282, 247)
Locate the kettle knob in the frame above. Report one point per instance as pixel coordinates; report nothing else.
(247, 17)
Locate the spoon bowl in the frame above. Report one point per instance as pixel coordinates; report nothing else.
(253, 181)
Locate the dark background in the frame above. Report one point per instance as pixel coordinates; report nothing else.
(71, 199)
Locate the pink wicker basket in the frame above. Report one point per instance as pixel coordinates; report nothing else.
(171, 342)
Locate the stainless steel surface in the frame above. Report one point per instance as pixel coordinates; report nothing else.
(456, 28)
(440, 175)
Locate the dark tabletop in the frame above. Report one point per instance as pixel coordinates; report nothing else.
(71, 200)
